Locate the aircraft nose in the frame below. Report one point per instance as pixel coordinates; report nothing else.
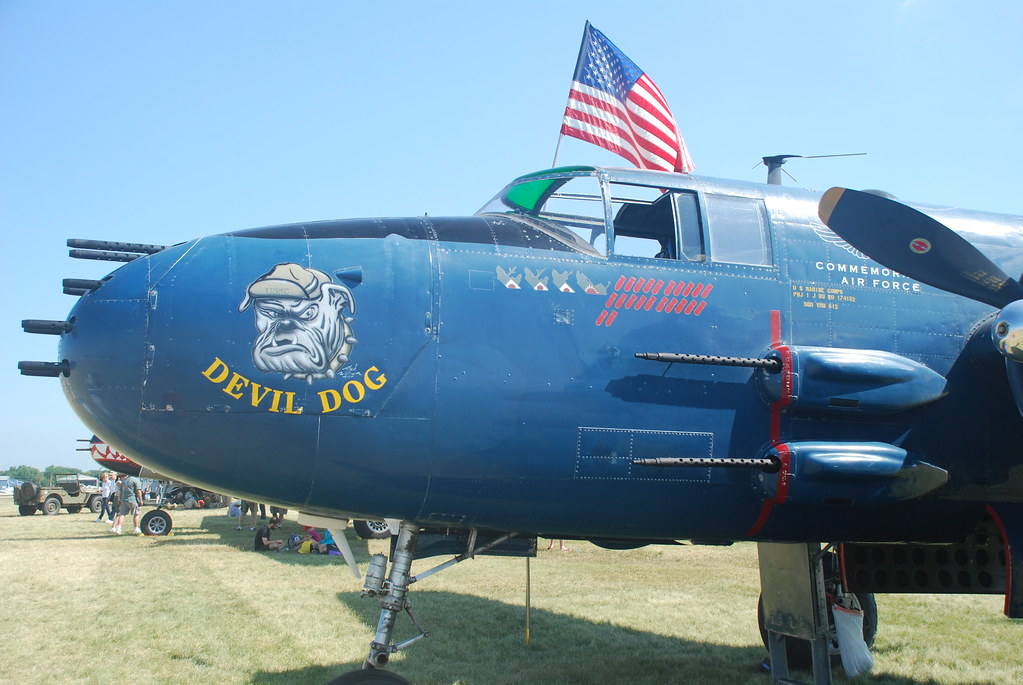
(105, 350)
(235, 362)
(142, 354)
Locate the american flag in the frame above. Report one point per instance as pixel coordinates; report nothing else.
(615, 105)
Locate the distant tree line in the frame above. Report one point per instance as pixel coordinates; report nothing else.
(31, 473)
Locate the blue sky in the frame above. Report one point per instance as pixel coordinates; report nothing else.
(160, 122)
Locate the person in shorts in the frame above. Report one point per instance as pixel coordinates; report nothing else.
(278, 513)
(248, 506)
(131, 503)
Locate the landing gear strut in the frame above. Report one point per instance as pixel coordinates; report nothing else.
(393, 594)
(394, 599)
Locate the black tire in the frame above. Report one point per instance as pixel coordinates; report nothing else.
(371, 530)
(96, 504)
(798, 651)
(29, 491)
(51, 505)
(27, 509)
(370, 676)
(74, 508)
(156, 522)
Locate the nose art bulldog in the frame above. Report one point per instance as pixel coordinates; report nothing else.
(300, 315)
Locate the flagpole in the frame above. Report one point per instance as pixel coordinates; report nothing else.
(578, 62)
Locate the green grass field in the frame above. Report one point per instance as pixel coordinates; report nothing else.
(83, 605)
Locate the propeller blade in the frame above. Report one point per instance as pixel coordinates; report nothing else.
(916, 246)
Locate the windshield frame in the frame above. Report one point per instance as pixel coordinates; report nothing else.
(526, 197)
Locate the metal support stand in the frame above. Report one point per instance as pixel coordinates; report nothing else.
(395, 600)
(795, 605)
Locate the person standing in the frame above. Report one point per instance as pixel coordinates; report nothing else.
(115, 499)
(156, 491)
(247, 506)
(106, 486)
(131, 503)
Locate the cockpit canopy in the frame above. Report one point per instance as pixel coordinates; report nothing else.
(640, 214)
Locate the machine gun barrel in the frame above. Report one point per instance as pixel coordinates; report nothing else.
(46, 327)
(109, 251)
(766, 463)
(109, 245)
(50, 369)
(80, 286)
(103, 256)
(770, 365)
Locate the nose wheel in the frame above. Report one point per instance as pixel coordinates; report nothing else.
(156, 522)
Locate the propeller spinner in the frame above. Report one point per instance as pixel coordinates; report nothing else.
(924, 249)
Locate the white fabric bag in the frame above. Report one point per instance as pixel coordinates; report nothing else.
(856, 656)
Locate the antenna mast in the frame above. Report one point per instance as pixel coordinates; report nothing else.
(775, 162)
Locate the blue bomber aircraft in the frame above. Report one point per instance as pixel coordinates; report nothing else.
(627, 357)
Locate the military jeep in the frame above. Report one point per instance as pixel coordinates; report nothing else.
(71, 491)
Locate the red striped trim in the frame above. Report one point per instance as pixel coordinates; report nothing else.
(784, 474)
(782, 494)
(1007, 552)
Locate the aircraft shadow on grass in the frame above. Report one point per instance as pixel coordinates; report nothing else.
(562, 649)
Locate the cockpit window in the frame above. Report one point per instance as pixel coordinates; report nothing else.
(738, 229)
(658, 224)
(644, 223)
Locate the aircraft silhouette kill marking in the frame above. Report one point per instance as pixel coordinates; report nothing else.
(622, 356)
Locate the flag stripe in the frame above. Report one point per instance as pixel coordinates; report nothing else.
(601, 138)
(604, 121)
(646, 95)
(601, 120)
(612, 111)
